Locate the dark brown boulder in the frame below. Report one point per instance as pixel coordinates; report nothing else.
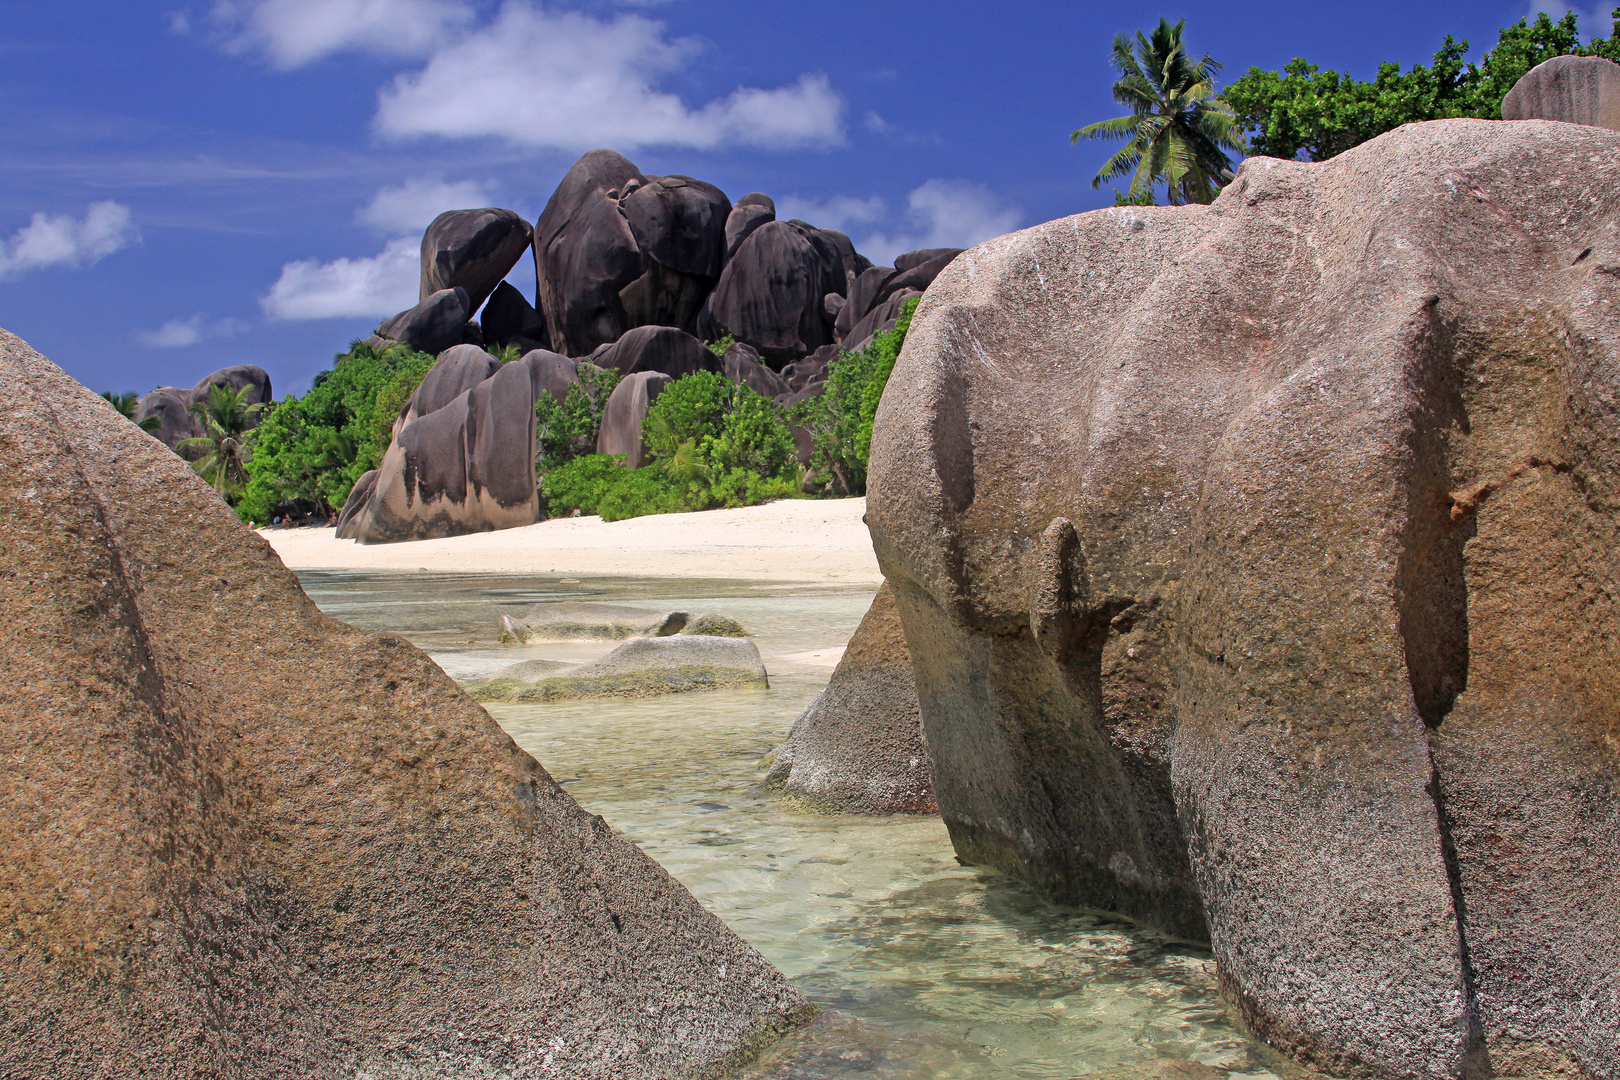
(323, 863)
(359, 496)
(658, 348)
(625, 410)
(509, 318)
(771, 292)
(750, 213)
(472, 249)
(919, 275)
(855, 264)
(584, 253)
(858, 746)
(741, 365)
(882, 317)
(1272, 594)
(1573, 89)
(171, 405)
(438, 323)
(862, 295)
(913, 259)
(553, 374)
(456, 371)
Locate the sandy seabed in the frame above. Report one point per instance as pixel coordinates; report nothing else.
(819, 540)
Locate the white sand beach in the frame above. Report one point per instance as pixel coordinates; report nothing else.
(807, 540)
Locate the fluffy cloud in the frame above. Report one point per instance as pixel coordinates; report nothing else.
(941, 213)
(348, 288)
(179, 333)
(568, 81)
(411, 207)
(59, 240)
(292, 33)
(839, 212)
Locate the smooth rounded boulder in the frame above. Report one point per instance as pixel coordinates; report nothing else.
(771, 292)
(326, 861)
(742, 365)
(432, 326)
(858, 746)
(1257, 566)
(1573, 89)
(473, 250)
(172, 405)
(456, 371)
(626, 408)
(641, 667)
(509, 318)
(658, 348)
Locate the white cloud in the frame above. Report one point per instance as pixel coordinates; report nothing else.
(348, 288)
(568, 81)
(876, 124)
(59, 240)
(179, 333)
(838, 212)
(942, 213)
(292, 33)
(1592, 23)
(411, 207)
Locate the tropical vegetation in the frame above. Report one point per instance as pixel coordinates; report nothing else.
(219, 454)
(128, 404)
(1179, 131)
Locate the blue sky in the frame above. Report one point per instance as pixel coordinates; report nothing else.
(187, 185)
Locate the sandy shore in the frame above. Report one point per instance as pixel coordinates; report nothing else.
(818, 540)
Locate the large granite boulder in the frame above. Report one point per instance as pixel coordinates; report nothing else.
(323, 861)
(751, 211)
(641, 667)
(432, 326)
(466, 466)
(1257, 564)
(509, 319)
(626, 408)
(171, 405)
(658, 348)
(771, 293)
(456, 371)
(473, 250)
(1574, 89)
(858, 746)
(554, 374)
(615, 249)
(741, 363)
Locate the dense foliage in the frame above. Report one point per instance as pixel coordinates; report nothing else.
(567, 429)
(308, 452)
(1178, 131)
(712, 442)
(219, 454)
(1303, 111)
(840, 420)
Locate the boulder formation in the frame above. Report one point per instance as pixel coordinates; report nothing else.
(676, 663)
(462, 457)
(172, 405)
(509, 319)
(437, 323)
(574, 620)
(626, 408)
(472, 250)
(657, 348)
(1257, 564)
(858, 747)
(771, 292)
(325, 862)
(1574, 89)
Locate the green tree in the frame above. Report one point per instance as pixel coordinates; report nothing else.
(1178, 129)
(1305, 112)
(128, 405)
(567, 429)
(226, 417)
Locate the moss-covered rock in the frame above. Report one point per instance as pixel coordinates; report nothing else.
(641, 667)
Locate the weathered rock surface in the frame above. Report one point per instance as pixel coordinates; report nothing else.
(1574, 89)
(658, 348)
(1257, 563)
(573, 620)
(465, 466)
(626, 408)
(472, 250)
(641, 667)
(434, 325)
(509, 318)
(858, 746)
(770, 294)
(742, 365)
(325, 862)
(171, 404)
(751, 211)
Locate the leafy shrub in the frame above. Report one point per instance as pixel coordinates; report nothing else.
(307, 452)
(567, 429)
(840, 419)
(689, 410)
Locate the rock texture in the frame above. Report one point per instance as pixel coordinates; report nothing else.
(324, 862)
(472, 250)
(462, 458)
(658, 348)
(771, 292)
(858, 747)
(1574, 89)
(171, 405)
(626, 408)
(1257, 563)
(509, 319)
(434, 325)
(641, 667)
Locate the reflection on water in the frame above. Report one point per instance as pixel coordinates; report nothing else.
(928, 969)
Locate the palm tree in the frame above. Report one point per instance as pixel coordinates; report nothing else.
(128, 405)
(226, 417)
(1179, 130)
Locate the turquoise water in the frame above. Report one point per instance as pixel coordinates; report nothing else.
(925, 968)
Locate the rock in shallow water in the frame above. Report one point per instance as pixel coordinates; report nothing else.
(321, 862)
(641, 667)
(1258, 567)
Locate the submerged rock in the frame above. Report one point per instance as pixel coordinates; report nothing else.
(1257, 563)
(858, 746)
(641, 667)
(324, 861)
(572, 620)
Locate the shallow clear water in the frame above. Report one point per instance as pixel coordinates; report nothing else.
(926, 968)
